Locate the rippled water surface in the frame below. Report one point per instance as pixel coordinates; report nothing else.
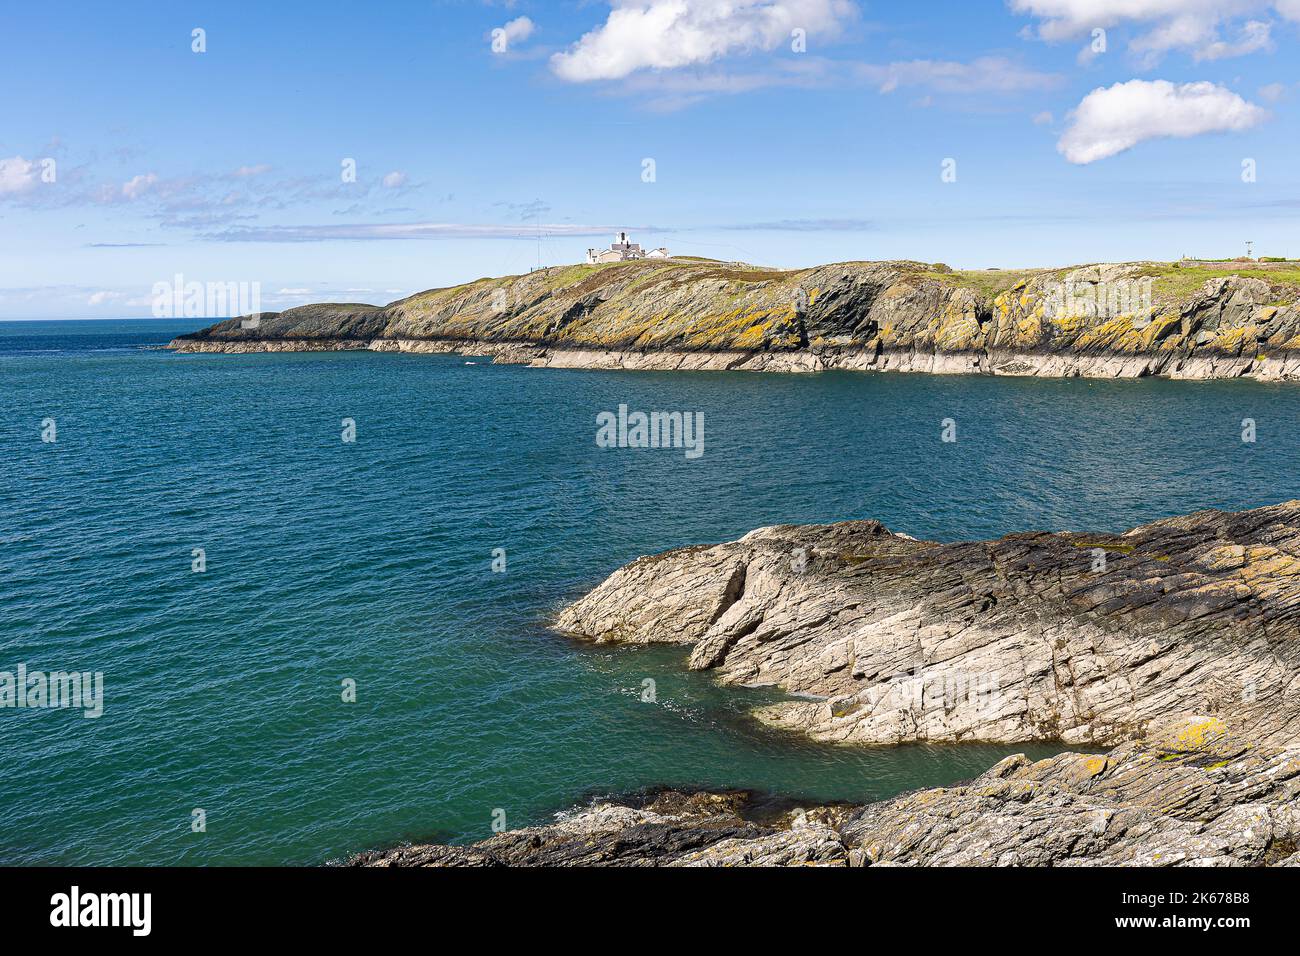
(372, 561)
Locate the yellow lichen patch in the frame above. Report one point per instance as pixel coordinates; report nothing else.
(1224, 558)
(1269, 573)
(1117, 333)
(1201, 733)
(744, 327)
(1232, 340)
(1156, 329)
(1029, 330)
(955, 329)
(1069, 323)
(1095, 765)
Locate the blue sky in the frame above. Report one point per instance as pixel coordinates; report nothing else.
(783, 132)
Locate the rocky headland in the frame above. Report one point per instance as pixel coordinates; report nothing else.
(1118, 320)
(1167, 656)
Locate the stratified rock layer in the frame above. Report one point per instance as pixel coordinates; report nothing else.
(1113, 320)
(1210, 804)
(1173, 645)
(1084, 638)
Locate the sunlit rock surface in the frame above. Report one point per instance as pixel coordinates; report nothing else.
(1117, 320)
(1166, 655)
(1199, 802)
(1084, 638)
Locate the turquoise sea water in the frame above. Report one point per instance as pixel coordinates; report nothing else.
(372, 561)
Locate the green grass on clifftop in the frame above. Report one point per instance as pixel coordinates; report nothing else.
(1175, 283)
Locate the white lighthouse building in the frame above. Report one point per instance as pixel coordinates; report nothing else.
(622, 249)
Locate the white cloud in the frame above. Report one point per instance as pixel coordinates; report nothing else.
(1272, 92)
(394, 179)
(1191, 25)
(1110, 120)
(258, 170)
(17, 175)
(1044, 118)
(665, 34)
(102, 298)
(137, 186)
(515, 31)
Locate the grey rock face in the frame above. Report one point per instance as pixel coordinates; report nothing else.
(1202, 803)
(1215, 805)
(1173, 645)
(1085, 638)
(1108, 320)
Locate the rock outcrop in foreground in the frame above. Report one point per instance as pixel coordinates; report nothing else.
(1208, 804)
(1085, 638)
(1116, 320)
(1169, 653)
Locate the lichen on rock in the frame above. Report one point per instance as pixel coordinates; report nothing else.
(1107, 320)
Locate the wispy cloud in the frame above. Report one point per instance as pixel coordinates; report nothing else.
(957, 81)
(410, 230)
(1197, 27)
(988, 74)
(805, 225)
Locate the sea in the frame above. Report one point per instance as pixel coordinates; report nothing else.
(317, 588)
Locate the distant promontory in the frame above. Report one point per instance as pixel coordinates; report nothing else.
(1190, 319)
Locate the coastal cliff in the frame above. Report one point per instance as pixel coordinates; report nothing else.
(1084, 638)
(1169, 654)
(1192, 320)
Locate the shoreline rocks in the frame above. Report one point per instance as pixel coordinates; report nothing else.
(1082, 638)
(1125, 320)
(1167, 653)
(1209, 804)
(1195, 368)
